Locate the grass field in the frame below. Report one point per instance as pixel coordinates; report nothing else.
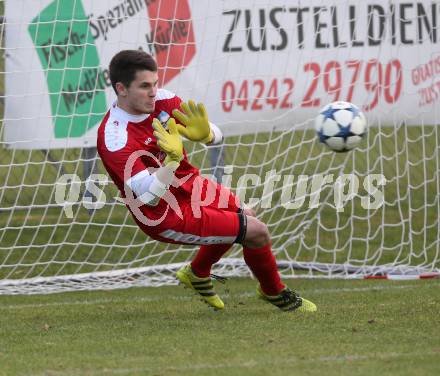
(361, 328)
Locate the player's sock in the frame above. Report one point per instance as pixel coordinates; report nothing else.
(262, 263)
(207, 256)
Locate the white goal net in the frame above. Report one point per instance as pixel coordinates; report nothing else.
(263, 69)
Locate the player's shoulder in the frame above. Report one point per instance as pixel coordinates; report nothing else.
(164, 94)
(114, 130)
(167, 100)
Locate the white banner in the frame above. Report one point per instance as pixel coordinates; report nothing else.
(255, 64)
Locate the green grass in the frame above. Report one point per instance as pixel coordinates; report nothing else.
(362, 328)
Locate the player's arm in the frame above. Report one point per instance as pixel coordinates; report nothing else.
(197, 127)
(149, 188)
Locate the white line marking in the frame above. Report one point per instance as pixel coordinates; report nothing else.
(304, 292)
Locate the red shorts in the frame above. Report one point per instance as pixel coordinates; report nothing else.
(215, 218)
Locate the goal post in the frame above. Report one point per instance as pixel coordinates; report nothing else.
(263, 70)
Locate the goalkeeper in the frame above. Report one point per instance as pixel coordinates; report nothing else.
(139, 142)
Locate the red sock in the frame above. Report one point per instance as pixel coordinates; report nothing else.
(207, 256)
(263, 265)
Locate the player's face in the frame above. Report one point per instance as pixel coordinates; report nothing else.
(141, 94)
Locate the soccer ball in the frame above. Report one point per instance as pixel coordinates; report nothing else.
(341, 126)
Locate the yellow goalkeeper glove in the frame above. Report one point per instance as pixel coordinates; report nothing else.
(169, 142)
(196, 122)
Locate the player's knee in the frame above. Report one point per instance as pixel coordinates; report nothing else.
(262, 237)
(249, 212)
(257, 234)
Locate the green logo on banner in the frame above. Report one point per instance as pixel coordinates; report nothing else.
(69, 56)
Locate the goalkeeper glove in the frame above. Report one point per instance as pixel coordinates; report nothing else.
(196, 122)
(169, 142)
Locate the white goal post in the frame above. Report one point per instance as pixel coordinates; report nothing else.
(263, 69)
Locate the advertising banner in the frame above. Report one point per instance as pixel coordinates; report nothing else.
(257, 65)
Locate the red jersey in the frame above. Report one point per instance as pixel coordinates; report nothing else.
(121, 134)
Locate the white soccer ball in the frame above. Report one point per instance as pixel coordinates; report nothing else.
(341, 126)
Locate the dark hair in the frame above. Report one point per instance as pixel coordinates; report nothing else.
(126, 63)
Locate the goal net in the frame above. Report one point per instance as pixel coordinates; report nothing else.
(263, 69)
